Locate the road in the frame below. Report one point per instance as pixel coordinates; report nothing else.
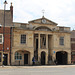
(38, 70)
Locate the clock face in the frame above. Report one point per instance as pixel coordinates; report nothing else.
(43, 21)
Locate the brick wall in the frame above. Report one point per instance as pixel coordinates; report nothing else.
(6, 39)
(73, 46)
(73, 39)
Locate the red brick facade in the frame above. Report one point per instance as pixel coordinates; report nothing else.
(72, 39)
(7, 44)
(6, 39)
(73, 46)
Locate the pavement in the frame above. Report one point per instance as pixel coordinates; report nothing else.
(45, 66)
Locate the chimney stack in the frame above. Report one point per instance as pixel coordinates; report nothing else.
(11, 9)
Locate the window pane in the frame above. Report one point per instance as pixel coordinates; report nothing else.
(18, 56)
(61, 40)
(0, 36)
(15, 53)
(0, 40)
(23, 39)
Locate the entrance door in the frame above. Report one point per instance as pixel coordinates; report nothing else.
(5, 59)
(42, 58)
(61, 58)
(25, 58)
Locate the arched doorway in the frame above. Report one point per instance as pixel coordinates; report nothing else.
(43, 58)
(61, 58)
(22, 57)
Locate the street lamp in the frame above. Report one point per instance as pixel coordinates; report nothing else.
(4, 29)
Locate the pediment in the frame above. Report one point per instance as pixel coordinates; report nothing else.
(43, 20)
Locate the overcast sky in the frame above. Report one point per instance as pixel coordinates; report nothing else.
(59, 11)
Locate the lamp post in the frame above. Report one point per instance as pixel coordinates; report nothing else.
(4, 29)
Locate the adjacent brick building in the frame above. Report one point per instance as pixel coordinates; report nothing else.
(7, 35)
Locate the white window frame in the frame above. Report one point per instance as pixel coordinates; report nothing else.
(18, 55)
(62, 44)
(2, 39)
(25, 39)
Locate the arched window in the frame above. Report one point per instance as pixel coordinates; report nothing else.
(18, 56)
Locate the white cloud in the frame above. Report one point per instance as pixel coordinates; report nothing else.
(59, 11)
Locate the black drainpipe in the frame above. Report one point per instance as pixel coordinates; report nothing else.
(10, 43)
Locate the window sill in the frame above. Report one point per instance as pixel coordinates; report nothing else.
(22, 43)
(61, 45)
(1, 43)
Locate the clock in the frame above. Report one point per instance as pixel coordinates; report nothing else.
(43, 21)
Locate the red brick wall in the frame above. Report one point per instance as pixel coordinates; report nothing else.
(73, 46)
(6, 39)
(73, 39)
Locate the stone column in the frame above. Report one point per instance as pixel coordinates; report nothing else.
(12, 58)
(53, 55)
(69, 58)
(39, 41)
(47, 41)
(31, 57)
(46, 61)
(39, 57)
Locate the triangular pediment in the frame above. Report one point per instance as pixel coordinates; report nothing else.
(43, 20)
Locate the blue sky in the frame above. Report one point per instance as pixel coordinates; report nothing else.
(59, 11)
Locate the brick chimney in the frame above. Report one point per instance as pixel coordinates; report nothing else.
(11, 9)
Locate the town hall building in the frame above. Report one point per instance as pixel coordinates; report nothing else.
(42, 39)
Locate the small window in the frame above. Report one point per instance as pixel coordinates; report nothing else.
(61, 40)
(23, 39)
(1, 39)
(0, 57)
(18, 56)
